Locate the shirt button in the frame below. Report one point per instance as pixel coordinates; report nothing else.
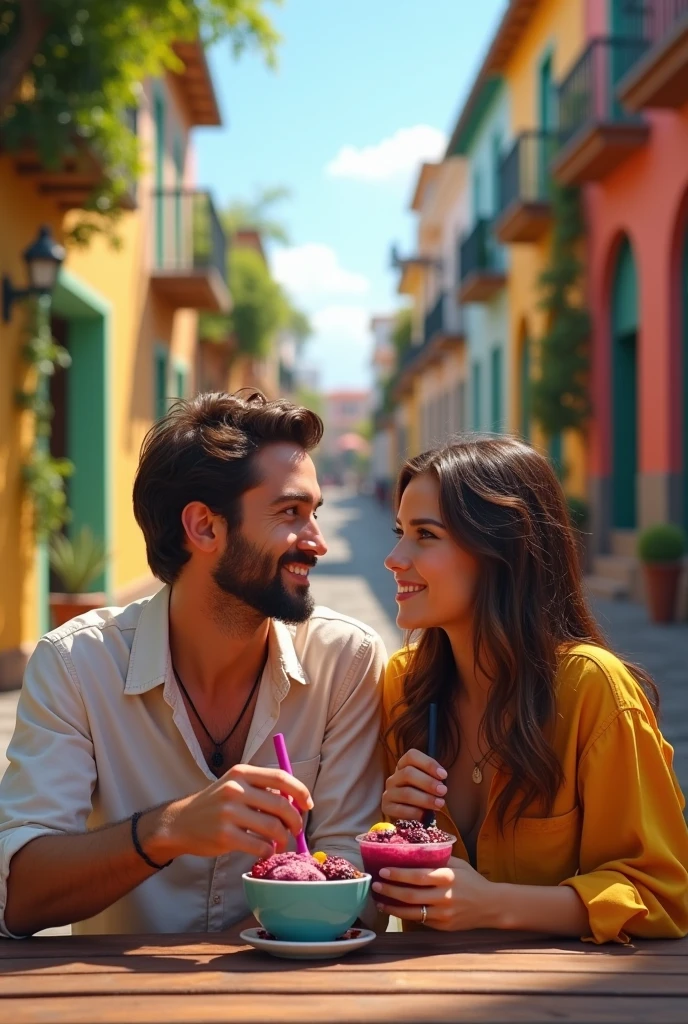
(216, 899)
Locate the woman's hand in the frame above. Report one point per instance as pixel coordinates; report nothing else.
(456, 898)
(416, 786)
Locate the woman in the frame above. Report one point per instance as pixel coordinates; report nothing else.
(551, 769)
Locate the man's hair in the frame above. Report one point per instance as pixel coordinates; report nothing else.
(204, 449)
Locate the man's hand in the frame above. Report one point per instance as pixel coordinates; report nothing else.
(247, 809)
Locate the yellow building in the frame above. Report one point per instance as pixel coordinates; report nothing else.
(536, 43)
(128, 317)
(430, 391)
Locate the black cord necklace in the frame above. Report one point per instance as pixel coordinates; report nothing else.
(217, 758)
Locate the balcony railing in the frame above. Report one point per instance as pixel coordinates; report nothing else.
(444, 318)
(587, 95)
(480, 252)
(660, 78)
(188, 233)
(524, 175)
(653, 20)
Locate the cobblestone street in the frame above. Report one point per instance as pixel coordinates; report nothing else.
(353, 580)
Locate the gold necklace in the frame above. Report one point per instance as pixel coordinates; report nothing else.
(477, 773)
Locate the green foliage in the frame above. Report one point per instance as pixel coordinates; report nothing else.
(87, 71)
(560, 396)
(44, 475)
(312, 400)
(256, 215)
(78, 562)
(402, 332)
(579, 512)
(259, 306)
(662, 542)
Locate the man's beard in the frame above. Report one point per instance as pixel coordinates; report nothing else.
(249, 574)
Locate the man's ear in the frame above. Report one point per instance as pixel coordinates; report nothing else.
(205, 531)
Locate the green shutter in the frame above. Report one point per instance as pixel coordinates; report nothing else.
(525, 389)
(556, 448)
(159, 117)
(161, 382)
(496, 390)
(477, 411)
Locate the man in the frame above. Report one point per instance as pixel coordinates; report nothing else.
(142, 778)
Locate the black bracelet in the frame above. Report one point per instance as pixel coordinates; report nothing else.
(137, 845)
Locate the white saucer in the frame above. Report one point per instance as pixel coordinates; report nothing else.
(307, 950)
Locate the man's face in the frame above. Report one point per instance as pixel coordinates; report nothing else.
(266, 560)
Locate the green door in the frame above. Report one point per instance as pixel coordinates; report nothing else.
(524, 376)
(624, 334)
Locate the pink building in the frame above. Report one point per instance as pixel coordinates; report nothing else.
(623, 118)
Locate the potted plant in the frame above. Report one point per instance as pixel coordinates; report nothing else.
(661, 549)
(579, 515)
(77, 562)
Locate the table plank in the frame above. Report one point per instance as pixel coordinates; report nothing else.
(348, 983)
(412, 943)
(402, 1009)
(249, 962)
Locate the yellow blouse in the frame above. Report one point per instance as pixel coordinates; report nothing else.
(616, 833)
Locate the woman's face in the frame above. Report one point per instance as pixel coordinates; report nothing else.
(436, 579)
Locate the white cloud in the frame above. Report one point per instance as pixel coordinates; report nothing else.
(312, 272)
(341, 346)
(391, 157)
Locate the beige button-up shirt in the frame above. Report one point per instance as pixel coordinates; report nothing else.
(102, 731)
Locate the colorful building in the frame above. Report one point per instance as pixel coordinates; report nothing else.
(128, 318)
(624, 128)
(431, 383)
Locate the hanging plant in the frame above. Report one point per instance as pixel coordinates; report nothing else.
(44, 475)
(560, 395)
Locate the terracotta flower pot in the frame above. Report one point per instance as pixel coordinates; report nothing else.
(661, 587)
(64, 607)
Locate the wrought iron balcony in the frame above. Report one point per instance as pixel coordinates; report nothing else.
(525, 179)
(189, 251)
(595, 131)
(481, 264)
(444, 321)
(660, 77)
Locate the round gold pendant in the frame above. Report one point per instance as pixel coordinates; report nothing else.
(477, 775)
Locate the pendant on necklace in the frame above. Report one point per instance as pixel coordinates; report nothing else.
(217, 760)
(477, 774)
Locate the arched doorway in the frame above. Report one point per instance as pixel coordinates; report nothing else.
(624, 333)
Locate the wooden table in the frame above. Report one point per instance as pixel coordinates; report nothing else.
(481, 976)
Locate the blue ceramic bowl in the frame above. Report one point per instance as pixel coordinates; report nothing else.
(306, 911)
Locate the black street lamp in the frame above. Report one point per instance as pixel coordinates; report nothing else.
(44, 257)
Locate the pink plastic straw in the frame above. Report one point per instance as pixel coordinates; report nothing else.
(285, 764)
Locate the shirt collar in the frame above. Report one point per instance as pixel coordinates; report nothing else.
(150, 663)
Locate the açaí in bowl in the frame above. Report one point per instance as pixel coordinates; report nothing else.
(405, 844)
(302, 898)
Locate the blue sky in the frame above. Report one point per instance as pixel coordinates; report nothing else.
(364, 91)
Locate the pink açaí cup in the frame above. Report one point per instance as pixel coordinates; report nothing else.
(378, 855)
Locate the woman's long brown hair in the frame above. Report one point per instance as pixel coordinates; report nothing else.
(501, 501)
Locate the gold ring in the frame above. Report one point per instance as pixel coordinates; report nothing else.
(423, 914)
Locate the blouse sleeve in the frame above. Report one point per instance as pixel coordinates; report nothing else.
(633, 868)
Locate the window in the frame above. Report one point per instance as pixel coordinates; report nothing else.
(181, 380)
(475, 398)
(496, 390)
(161, 374)
(460, 411)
